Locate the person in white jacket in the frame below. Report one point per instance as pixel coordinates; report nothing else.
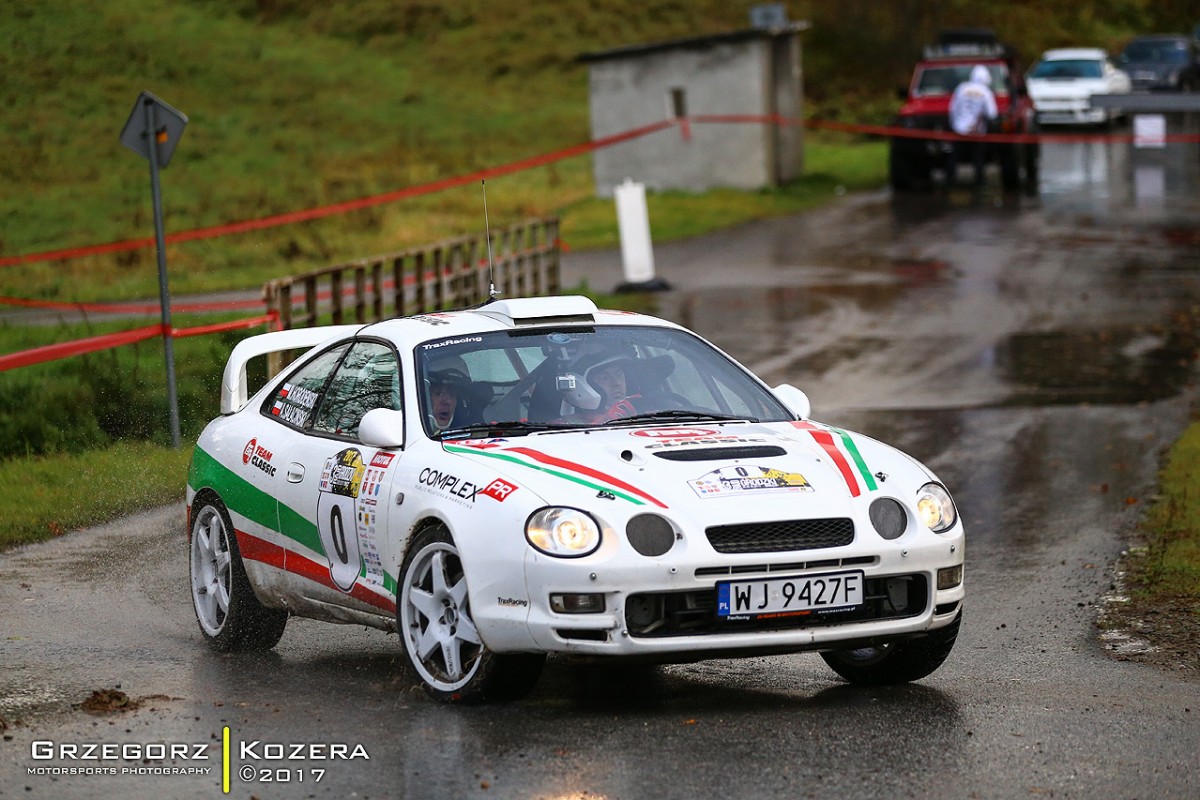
(972, 107)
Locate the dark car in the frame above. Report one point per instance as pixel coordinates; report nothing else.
(1165, 62)
(942, 67)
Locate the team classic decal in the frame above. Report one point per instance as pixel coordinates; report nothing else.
(258, 457)
(750, 479)
(824, 438)
(663, 438)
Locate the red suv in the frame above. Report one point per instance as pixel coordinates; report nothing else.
(927, 102)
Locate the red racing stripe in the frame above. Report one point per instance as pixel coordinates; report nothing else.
(271, 554)
(824, 439)
(582, 470)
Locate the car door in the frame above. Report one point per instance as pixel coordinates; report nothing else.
(331, 502)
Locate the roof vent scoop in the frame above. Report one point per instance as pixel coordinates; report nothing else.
(526, 311)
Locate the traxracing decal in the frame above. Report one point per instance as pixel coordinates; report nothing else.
(824, 437)
(258, 457)
(750, 479)
(561, 468)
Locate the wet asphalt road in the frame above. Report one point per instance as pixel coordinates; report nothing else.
(1037, 352)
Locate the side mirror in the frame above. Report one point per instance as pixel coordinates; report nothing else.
(382, 427)
(902, 92)
(796, 400)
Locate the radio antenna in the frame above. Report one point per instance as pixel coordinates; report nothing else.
(487, 229)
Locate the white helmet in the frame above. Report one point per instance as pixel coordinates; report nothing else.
(574, 383)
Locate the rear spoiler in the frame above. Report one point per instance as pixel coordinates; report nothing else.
(233, 382)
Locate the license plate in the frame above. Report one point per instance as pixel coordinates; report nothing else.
(757, 599)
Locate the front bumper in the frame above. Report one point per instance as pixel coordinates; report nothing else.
(1070, 112)
(665, 609)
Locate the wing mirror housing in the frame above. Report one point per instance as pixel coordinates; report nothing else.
(382, 427)
(796, 400)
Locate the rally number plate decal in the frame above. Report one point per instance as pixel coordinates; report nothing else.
(741, 600)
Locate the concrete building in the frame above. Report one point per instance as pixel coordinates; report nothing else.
(754, 72)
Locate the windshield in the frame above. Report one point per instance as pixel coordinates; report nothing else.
(507, 382)
(1068, 68)
(943, 79)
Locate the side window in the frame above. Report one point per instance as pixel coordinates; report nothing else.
(296, 398)
(368, 378)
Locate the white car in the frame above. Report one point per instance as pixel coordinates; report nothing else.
(1063, 82)
(537, 476)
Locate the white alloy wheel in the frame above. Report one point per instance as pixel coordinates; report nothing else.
(438, 634)
(230, 615)
(436, 623)
(211, 576)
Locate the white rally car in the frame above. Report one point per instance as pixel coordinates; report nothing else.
(538, 476)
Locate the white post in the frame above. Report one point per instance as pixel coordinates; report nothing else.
(637, 252)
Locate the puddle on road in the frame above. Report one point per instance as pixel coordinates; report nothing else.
(1103, 367)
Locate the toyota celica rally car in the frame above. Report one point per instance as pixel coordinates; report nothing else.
(537, 476)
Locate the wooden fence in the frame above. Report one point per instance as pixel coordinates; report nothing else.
(449, 274)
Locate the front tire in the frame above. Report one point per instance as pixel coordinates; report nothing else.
(895, 662)
(229, 614)
(438, 634)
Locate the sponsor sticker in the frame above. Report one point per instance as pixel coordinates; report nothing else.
(752, 479)
(258, 457)
(499, 490)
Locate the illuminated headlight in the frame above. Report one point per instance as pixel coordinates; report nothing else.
(562, 532)
(935, 508)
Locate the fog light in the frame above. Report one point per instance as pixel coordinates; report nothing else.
(950, 577)
(577, 603)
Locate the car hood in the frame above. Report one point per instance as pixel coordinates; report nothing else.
(673, 467)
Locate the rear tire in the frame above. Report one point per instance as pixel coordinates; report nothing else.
(230, 616)
(438, 634)
(895, 662)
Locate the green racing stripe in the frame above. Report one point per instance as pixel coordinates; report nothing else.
(852, 449)
(261, 508)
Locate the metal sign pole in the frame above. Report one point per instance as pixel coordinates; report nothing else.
(164, 295)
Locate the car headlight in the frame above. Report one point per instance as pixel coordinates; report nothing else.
(562, 532)
(935, 508)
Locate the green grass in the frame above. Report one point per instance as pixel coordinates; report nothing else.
(41, 498)
(1167, 573)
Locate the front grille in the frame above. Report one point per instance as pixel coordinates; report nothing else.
(665, 614)
(723, 453)
(775, 537)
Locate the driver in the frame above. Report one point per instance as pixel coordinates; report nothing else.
(448, 382)
(596, 386)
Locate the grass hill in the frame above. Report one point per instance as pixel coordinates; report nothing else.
(301, 103)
